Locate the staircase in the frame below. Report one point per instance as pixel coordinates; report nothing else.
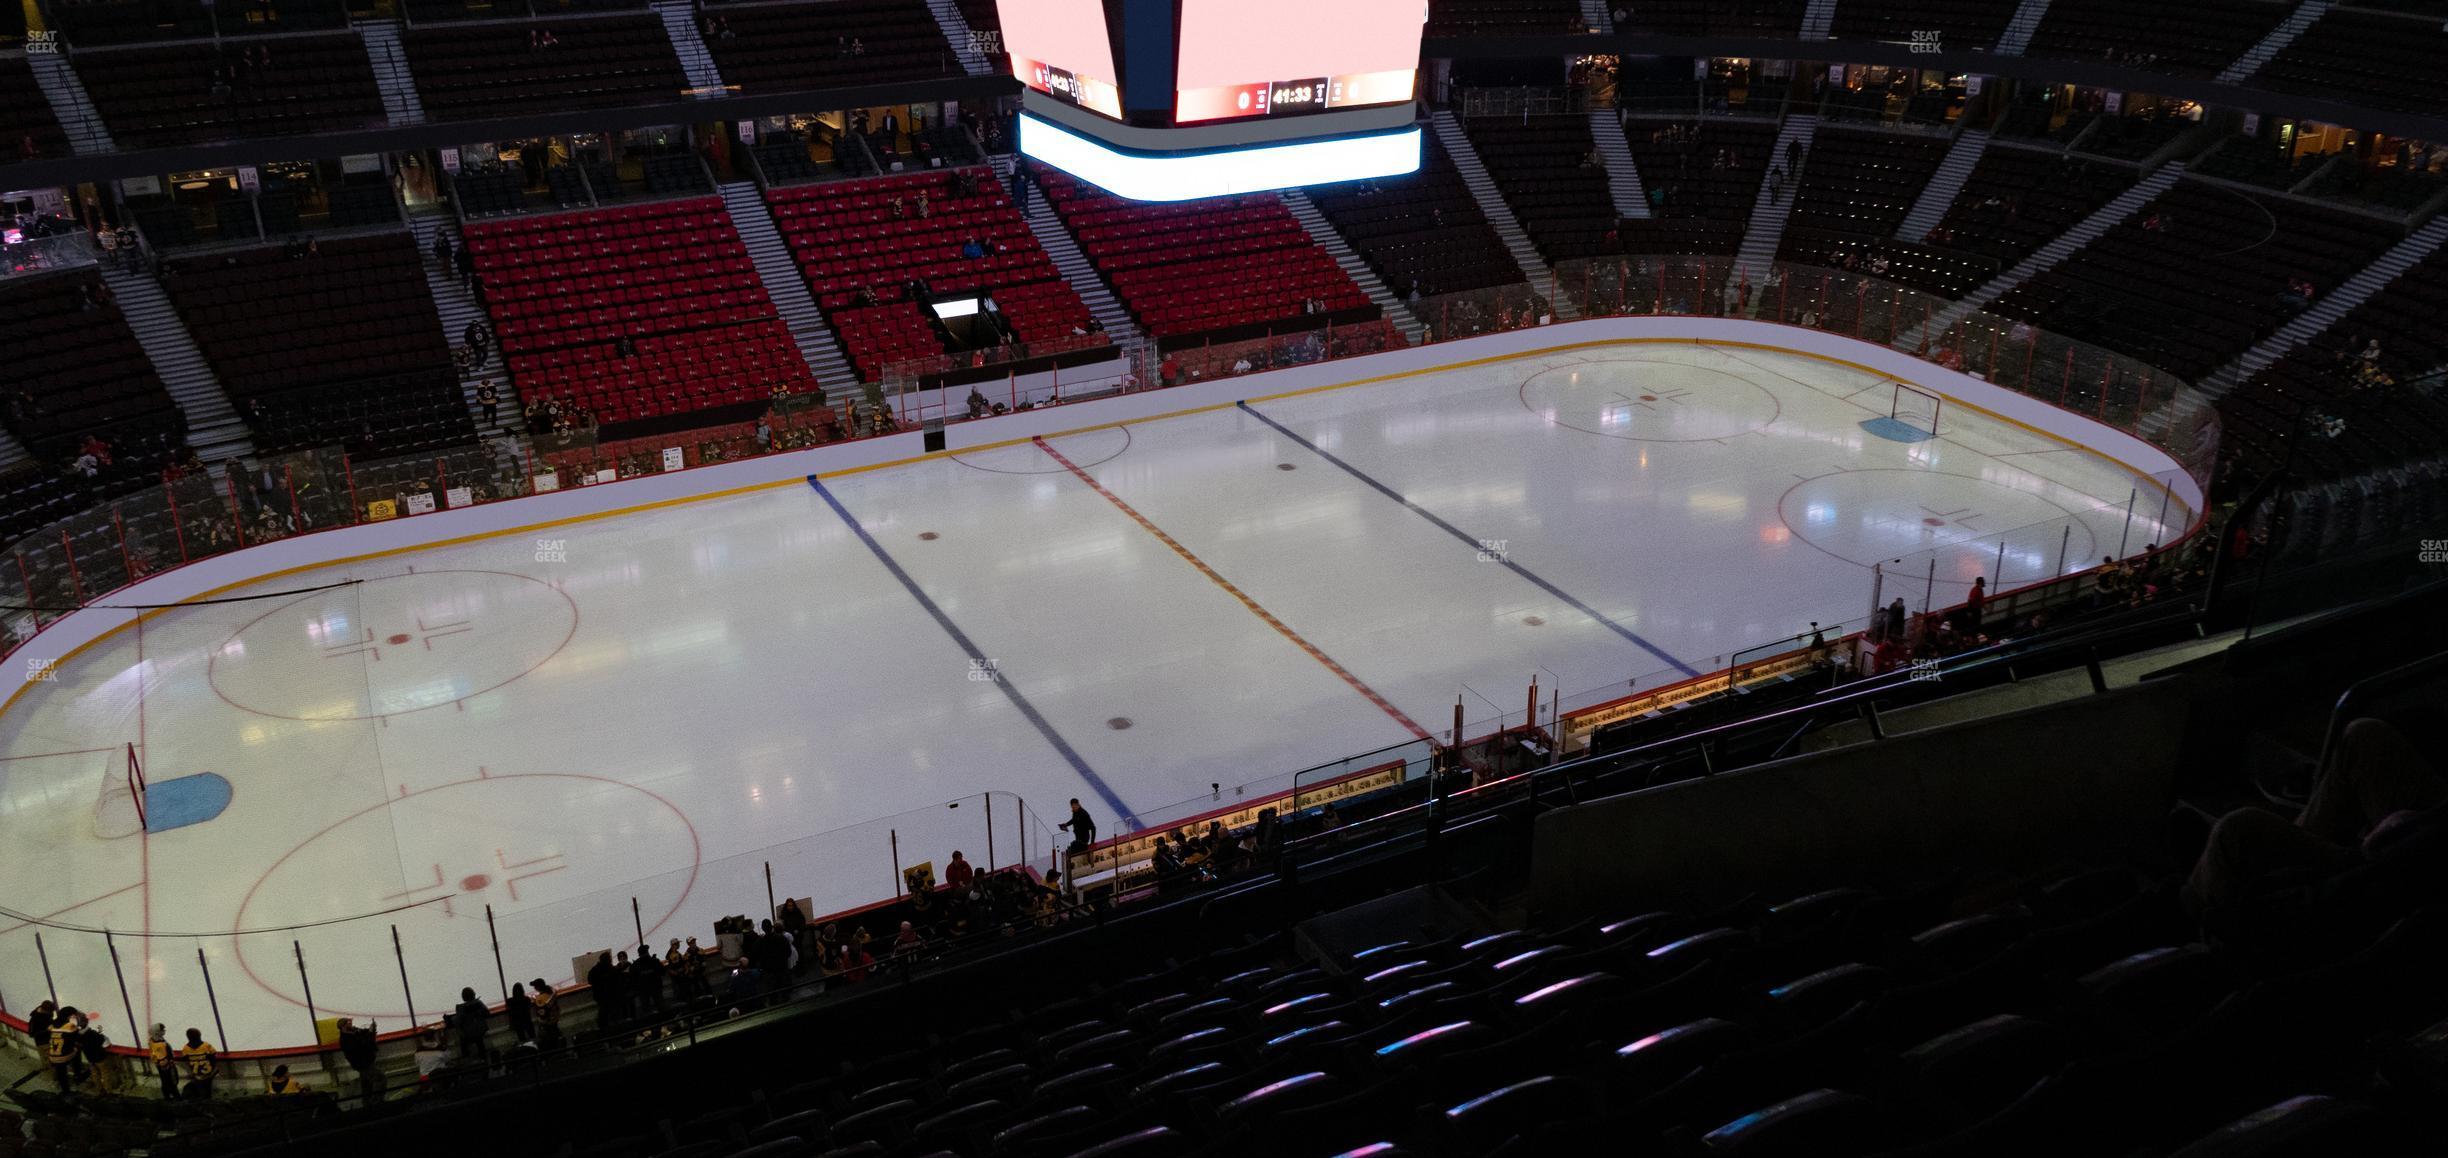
(1465, 158)
(1323, 232)
(2332, 308)
(12, 453)
(2304, 16)
(213, 426)
(1817, 17)
(391, 75)
(1944, 185)
(2086, 231)
(1074, 265)
(458, 307)
(961, 37)
(1768, 213)
(1623, 177)
(75, 110)
(2018, 33)
(779, 272)
(1598, 17)
(680, 23)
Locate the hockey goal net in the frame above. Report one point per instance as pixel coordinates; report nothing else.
(1916, 408)
(121, 809)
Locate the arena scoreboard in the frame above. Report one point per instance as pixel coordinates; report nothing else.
(1166, 100)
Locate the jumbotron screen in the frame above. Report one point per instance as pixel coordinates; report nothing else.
(1230, 59)
(1063, 48)
(1256, 58)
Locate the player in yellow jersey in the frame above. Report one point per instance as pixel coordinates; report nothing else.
(197, 1057)
(165, 1062)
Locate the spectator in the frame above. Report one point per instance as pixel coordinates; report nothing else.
(466, 261)
(646, 985)
(1266, 837)
(95, 1048)
(197, 1057)
(687, 970)
(62, 1052)
(776, 957)
(1969, 621)
(611, 1006)
(520, 1011)
(1081, 826)
(793, 922)
(2377, 802)
(959, 873)
(907, 942)
(1165, 859)
(470, 1019)
(443, 255)
(46, 1014)
(357, 1045)
(856, 961)
(489, 398)
(2112, 581)
(430, 1059)
(547, 1015)
(165, 1064)
(280, 1083)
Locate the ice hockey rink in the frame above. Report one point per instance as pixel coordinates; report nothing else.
(656, 705)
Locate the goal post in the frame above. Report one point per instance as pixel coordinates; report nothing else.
(136, 783)
(1916, 408)
(120, 809)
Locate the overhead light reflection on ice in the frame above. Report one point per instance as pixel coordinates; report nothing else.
(432, 693)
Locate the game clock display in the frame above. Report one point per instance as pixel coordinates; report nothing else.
(1284, 97)
(1231, 59)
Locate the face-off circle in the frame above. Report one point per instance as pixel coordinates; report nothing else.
(1089, 448)
(442, 851)
(1865, 517)
(1639, 400)
(392, 645)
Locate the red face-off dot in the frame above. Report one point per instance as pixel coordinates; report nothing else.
(399, 639)
(474, 883)
(1935, 522)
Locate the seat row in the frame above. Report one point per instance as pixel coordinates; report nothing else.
(860, 243)
(1421, 232)
(315, 349)
(194, 93)
(1546, 168)
(2196, 276)
(657, 306)
(795, 47)
(1199, 286)
(79, 371)
(491, 69)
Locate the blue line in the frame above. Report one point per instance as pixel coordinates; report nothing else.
(1121, 811)
(1473, 542)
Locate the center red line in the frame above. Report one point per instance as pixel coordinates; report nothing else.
(1262, 613)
